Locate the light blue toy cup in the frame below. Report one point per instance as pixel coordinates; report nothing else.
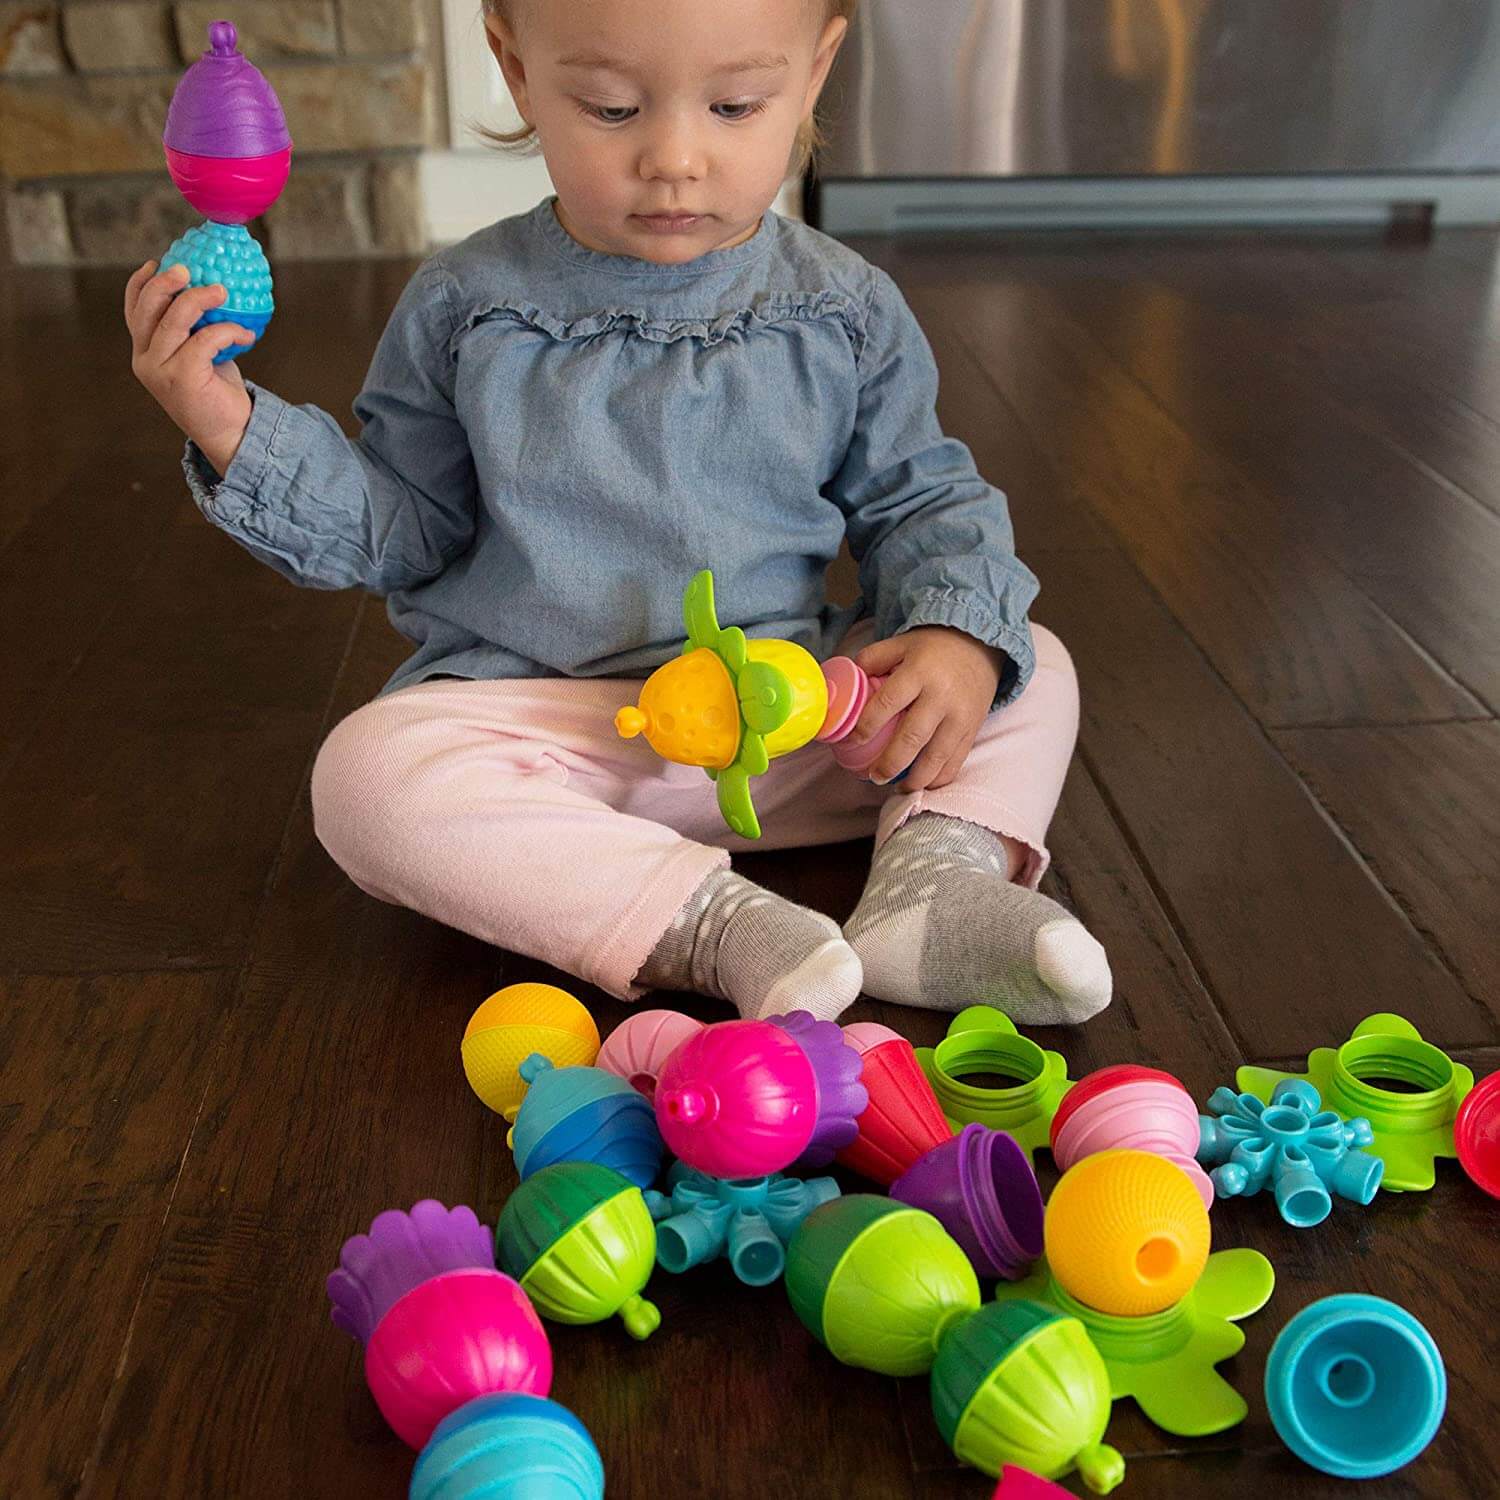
(1355, 1386)
(509, 1447)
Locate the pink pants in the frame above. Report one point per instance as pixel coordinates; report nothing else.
(513, 811)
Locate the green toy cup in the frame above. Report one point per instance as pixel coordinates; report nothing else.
(579, 1238)
(1020, 1384)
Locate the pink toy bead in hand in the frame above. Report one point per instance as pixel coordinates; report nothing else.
(739, 1099)
(850, 687)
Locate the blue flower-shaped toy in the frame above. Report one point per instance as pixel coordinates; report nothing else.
(750, 1220)
(1304, 1152)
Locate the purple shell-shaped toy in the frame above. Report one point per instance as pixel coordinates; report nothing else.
(842, 1098)
(223, 105)
(400, 1252)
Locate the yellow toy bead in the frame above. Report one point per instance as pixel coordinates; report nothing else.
(809, 693)
(688, 711)
(511, 1025)
(1126, 1233)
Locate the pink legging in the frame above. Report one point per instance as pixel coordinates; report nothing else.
(513, 811)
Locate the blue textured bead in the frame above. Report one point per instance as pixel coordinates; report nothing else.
(509, 1447)
(227, 255)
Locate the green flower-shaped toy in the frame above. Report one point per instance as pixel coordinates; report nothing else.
(1166, 1360)
(1411, 1129)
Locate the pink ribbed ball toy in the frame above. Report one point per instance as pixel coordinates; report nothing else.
(465, 1333)
(638, 1048)
(1145, 1114)
(738, 1099)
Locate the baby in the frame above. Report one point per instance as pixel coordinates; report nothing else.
(568, 415)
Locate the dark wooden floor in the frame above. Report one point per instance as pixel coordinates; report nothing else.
(1260, 481)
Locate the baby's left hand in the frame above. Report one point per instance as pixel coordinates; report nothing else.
(946, 681)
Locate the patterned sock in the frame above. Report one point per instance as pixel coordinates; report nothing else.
(940, 926)
(737, 941)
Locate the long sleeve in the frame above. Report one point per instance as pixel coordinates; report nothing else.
(932, 539)
(387, 510)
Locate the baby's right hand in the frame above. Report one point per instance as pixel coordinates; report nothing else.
(208, 402)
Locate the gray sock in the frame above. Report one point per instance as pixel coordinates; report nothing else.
(737, 941)
(940, 926)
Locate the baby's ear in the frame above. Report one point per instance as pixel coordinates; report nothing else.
(501, 38)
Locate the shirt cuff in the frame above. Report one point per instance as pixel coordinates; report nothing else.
(963, 612)
(252, 480)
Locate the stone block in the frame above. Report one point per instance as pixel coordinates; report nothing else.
(267, 30)
(118, 36)
(37, 225)
(381, 27)
(320, 215)
(127, 221)
(396, 206)
(30, 41)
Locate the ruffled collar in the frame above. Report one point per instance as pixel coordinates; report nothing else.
(545, 221)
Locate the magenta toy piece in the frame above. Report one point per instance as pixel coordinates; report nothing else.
(455, 1336)
(1155, 1114)
(739, 1099)
(841, 1096)
(850, 687)
(1022, 1484)
(639, 1046)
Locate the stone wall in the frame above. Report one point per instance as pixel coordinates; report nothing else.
(84, 88)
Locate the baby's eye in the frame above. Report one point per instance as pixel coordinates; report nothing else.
(744, 109)
(610, 114)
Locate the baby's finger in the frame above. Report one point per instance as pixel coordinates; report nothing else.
(208, 341)
(178, 320)
(897, 692)
(935, 755)
(138, 279)
(151, 302)
(908, 742)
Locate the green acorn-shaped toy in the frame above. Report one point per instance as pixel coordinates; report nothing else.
(886, 1288)
(579, 1238)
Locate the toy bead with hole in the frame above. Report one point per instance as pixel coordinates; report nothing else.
(1126, 1233)
(1410, 1129)
(738, 1099)
(228, 152)
(1303, 1152)
(580, 1240)
(512, 1024)
(877, 1283)
(1021, 1384)
(982, 1039)
(1130, 1108)
(636, 1049)
(837, 1067)
(1355, 1386)
(902, 1120)
(980, 1186)
(850, 687)
(584, 1114)
(511, 1447)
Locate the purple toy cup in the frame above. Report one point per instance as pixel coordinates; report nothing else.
(981, 1188)
(842, 1098)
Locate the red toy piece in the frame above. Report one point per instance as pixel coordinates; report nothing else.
(903, 1121)
(1476, 1134)
(1103, 1079)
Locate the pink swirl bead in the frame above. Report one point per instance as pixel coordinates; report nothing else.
(638, 1048)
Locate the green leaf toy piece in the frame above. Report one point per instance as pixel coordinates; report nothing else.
(1166, 1360)
(983, 1039)
(579, 1238)
(1019, 1383)
(1410, 1129)
(884, 1287)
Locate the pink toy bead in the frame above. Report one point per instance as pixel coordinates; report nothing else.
(1149, 1115)
(1022, 1484)
(638, 1048)
(453, 1337)
(738, 1099)
(229, 189)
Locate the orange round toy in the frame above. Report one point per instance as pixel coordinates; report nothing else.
(1126, 1233)
(511, 1025)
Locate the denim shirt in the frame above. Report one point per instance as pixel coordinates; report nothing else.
(555, 440)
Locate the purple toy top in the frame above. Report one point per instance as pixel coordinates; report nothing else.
(223, 105)
(842, 1098)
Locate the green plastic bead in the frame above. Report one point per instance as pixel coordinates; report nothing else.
(878, 1284)
(579, 1238)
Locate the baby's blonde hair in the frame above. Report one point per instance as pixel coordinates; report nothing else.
(523, 142)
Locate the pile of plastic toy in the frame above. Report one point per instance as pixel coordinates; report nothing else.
(1110, 1290)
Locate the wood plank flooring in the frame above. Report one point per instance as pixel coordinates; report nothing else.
(1258, 479)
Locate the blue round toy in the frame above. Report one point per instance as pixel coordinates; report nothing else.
(509, 1447)
(226, 255)
(1355, 1386)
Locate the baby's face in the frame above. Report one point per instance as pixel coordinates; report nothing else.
(642, 108)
